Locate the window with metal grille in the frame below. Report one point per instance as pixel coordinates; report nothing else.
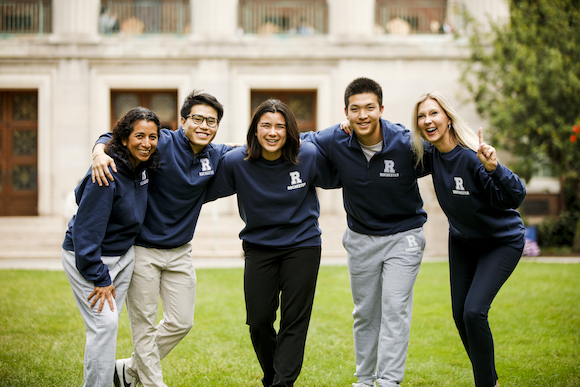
(403, 17)
(26, 17)
(144, 16)
(297, 17)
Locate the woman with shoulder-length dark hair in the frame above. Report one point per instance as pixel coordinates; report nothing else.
(486, 233)
(291, 147)
(275, 177)
(97, 252)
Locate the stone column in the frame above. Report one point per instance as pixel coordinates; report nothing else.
(486, 11)
(72, 114)
(214, 20)
(351, 19)
(75, 20)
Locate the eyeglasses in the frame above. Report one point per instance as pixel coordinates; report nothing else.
(198, 120)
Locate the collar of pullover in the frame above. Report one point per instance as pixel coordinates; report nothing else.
(353, 141)
(186, 143)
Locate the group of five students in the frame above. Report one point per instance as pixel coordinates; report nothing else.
(274, 176)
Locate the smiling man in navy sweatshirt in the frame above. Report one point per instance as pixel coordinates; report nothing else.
(163, 263)
(384, 239)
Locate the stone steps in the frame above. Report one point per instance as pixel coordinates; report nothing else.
(31, 236)
(42, 236)
(216, 234)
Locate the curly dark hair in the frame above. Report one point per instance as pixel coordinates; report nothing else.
(123, 130)
(291, 147)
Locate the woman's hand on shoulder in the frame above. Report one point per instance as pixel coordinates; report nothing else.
(345, 126)
(486, 154)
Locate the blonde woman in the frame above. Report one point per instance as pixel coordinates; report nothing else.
(486, 234)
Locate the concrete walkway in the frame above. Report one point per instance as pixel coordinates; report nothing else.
(222, 263)
(35, 242)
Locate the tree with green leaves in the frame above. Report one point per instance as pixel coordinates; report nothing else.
(524, 76)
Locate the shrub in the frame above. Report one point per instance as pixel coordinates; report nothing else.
(558, 232)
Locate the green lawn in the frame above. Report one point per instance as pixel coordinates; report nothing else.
(535, 320)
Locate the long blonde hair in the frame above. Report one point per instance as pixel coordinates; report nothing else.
(464, 135)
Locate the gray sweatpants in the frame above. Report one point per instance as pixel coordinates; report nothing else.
(101, 328)
(382, 273)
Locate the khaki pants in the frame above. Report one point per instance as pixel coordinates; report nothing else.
(167, 274)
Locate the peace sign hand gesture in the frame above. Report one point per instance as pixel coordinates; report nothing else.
(486, 154)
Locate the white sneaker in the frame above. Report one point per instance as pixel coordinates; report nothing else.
(122, 378)
(362, 385)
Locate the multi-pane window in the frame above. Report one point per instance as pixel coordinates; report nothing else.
(298, 17)
(301, 102)
(161, 102)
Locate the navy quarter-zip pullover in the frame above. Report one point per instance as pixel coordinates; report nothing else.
(276, 199)
(107, 221)
(480, 205)
(381, 197)
(177, 190)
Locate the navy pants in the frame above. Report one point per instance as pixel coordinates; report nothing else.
(274, 277)
(477, 272)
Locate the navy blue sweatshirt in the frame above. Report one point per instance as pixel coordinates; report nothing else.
(177, 190)
(276, 199)
(479, 205)
(381, 197)
(107, 221)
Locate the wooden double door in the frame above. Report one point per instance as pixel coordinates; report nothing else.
(18, 152)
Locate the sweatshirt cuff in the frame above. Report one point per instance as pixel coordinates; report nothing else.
(103, 282)
(498, 173)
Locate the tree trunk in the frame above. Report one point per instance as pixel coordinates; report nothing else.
(576, 244)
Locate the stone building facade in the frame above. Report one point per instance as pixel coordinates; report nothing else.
(83, 69)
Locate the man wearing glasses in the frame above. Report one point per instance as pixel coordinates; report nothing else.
(163, 263)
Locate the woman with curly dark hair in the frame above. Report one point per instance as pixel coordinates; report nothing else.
(123, 130)
(97, 252)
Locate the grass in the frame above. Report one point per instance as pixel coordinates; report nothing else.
(535, 320)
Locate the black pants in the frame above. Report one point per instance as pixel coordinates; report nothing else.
(477, 272)
(273, 277)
